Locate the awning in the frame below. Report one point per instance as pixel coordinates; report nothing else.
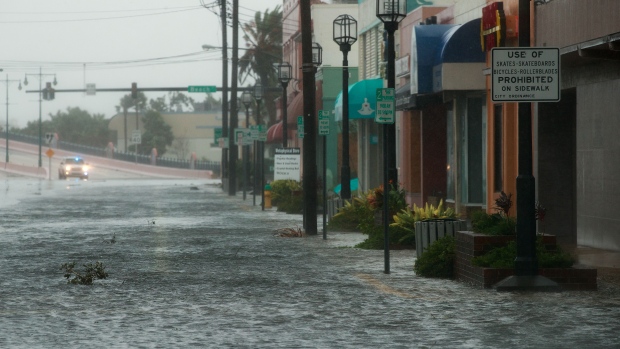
(460, 61)
(446, 57)
(425, 43)
(295, 109)
(404, 99)
(362, 100)
(274, 133)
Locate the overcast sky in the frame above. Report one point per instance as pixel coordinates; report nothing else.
(109, 43)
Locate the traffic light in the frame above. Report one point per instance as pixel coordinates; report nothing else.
(134, 90)
(48, 92)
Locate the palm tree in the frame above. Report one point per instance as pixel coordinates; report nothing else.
(263, 37)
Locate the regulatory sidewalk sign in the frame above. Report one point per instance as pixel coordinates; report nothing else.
(386, 106)
(323, 122)
(49, 136)
(525, 74)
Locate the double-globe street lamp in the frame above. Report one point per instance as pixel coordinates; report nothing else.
(284, 75)
(40, 76)
(345, 35)
(7, 81)
(390, 12)
(246, 99)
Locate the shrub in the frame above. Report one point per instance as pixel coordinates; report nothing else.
(354, 213)
(286, 195)
(492, 224)
(438, 260)
(504, 257)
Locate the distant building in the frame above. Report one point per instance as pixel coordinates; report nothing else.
(194, 132)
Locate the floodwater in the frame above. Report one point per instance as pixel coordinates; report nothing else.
(197, 268)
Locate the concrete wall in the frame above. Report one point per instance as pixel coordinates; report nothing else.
(598, 164)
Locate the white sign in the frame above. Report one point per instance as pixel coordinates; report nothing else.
(323, 122)
(49, 137)
(525, 74)
(386, 106)
(136, 137)
(91, 89)
(287, 164)
(243, 136)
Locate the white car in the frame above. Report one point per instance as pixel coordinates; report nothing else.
(73, 167)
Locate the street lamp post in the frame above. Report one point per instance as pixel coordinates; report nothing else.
(390, 12)
(40, 75)
(7, 81)
(345, 35)
(246, 99)
(284, 75)
(258, 95)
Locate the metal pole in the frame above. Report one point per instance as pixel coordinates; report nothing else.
(40, 122)
(255, 173)
(246, 154)
(7, 118)
(526, 263)
(137, 128)
(259, 159)
(324, 187)
(345, 171)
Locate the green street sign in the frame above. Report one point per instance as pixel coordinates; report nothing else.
(323, 122)
(201, 89)
(262, 133)
(386, 106)
(217, 134)
(300, 127)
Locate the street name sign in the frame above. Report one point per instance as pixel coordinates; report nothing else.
(201, 89)
(386, 106)
(525, 74)
(323, 122)
(262, 133)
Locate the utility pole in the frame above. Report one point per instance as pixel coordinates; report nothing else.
(225, 132)
(310, 170)
(232, 148)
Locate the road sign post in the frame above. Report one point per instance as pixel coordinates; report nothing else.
(386, 106)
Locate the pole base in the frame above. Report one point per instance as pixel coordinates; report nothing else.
(535, 283)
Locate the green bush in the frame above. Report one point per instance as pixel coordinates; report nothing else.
(504, 257)
(286, 194)
(438, 260)
(354, 213)
(492, 224)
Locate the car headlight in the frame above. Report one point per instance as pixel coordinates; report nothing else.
(67, 168)
(85, 168)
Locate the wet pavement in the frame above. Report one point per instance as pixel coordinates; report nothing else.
(197, 268)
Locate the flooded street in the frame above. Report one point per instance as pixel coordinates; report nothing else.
(197, 268)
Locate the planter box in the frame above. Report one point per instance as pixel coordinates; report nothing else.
(470, 245)
(427, 232)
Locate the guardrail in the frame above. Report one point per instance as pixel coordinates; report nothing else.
(128, 157)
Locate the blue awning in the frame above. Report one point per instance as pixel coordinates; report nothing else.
(446, 57)
(362, 100)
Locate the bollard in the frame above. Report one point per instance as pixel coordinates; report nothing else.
(267, 195)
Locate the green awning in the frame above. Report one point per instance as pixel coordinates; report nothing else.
(362, 100)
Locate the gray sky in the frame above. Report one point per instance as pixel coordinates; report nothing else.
(83, 41)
